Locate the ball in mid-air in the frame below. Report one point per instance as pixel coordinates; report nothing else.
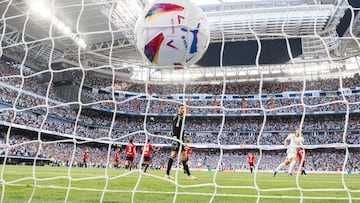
(172, 33)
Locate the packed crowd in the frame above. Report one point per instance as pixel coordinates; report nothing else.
(32, 111)
(316, 130)
(240, 88)
(65, 153)
(38, 89)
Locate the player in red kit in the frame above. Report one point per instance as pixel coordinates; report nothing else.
(147, 153)
(302, 160)
(251, 160)
(188, 151)
(130, 151)
(85, 157)
(117, 158)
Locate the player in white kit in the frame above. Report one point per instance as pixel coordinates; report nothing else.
(296, 142)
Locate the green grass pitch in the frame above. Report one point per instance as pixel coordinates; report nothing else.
(56, 184)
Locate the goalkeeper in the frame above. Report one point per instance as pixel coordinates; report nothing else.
(178, 134)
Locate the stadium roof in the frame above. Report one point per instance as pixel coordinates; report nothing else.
(314, 30)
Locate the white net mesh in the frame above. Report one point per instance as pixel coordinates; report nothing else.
(72, 81)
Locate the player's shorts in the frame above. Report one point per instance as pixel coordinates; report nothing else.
(129, 158)
(303, 164)
(251, 164)
(116, 163)
(176, 145)
(147, 158)
(290, 154)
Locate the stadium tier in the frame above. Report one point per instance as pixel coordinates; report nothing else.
(180, 101)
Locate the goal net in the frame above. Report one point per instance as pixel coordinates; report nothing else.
(75, 91)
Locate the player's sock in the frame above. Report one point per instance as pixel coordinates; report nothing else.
(170, 162)
(280, 167)
(251, 170)
(186, 167)
(146, 166)
(292, 165)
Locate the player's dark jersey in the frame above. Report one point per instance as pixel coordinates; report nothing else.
(251, 159)
(85, 155)
(147, 150)
(177, 133)
(130, 150)
(177, 127)
(117, 155)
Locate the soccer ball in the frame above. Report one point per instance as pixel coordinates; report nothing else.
(172, 33)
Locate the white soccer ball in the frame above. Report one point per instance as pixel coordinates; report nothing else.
(172, 33)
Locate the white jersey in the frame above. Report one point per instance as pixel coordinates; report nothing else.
(295, 142)
(294, 145)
